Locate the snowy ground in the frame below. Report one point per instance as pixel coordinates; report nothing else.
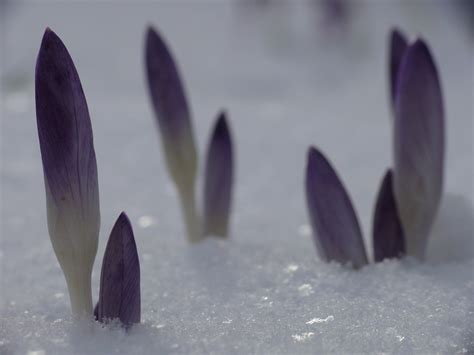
(287, 82)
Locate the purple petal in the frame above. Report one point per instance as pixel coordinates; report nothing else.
(171, 108)
(418, 146)
(398, 46)
(64, 129)
(388, 239)
(119, 295)
(69, 166)
(336, 230)
(218, 179)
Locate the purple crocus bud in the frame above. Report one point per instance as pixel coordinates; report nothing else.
(171, 108)
(388, 239)
(119, 295)
(173, 116)
(335, 226)
(69, 167)
(218, 180)
(398, 46)
(418, 146)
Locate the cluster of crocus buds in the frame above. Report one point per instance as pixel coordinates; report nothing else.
(405, 208)
(72, 193)
(411, 189)
(172, 112)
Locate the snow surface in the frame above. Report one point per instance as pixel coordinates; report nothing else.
(287, 82)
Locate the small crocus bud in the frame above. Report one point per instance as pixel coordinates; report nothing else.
(119, 295)
(398, 46)
(69, 167)
(218, 180)
(174, 120)
(336, 230)
(418, 146)
(388, 239)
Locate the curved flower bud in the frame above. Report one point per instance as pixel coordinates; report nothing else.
(119, 295)
(388, 239)
(418, 146)
(69, 166)
(171, 109)
(174, 120)
(398, 46)
(336, 230)
(218, 180)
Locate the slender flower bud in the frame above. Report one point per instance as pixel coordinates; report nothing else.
(69, 167)
(418, 146)
(398, 46)
(174, 120)
(218, 180)
(336, 230)
(119, 295)
(388, 239)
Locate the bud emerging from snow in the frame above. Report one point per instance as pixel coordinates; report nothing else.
(418, 146)
(119, 295)
(218, 180)
(174, 121)
(336, 230)
(69, 166)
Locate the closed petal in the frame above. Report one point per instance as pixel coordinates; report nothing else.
(218, 179)
(171, 109)
(69, 166)
(388, 239)
(119, 295)
(418, 146)
(335, 226)
(398, 46)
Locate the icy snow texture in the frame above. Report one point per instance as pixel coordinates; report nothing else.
(286, 83)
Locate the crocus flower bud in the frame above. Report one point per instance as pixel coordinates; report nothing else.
(336, 230)
(218, 180)
(69, 166)
(174, 121)
(119, 295)
(387, 233)
(418, 146)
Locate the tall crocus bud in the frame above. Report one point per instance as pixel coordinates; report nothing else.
(119, 295)
(69, 166)
(398, 46)
(388, 239)
(174, 121)
(218, 180)
(418, 146)
(336, 230)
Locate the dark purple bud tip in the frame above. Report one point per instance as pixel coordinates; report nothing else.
(335, 226)
(418, 146)
(398, 46)
(388, 239)
(170, 104)
(218, 179)
(64, 128)
(119, 295)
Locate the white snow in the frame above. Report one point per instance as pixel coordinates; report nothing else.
(286, 83)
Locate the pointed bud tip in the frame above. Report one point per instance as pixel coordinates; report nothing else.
(123, 217)
(396, 35)
(221, 126)
(49, 35)
(314, 157)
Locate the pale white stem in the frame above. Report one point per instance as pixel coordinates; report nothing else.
(80, 293)
(191, 218)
